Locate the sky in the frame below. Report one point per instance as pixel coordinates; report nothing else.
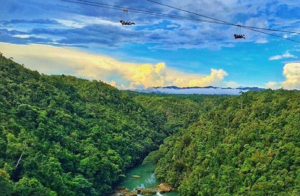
(59, 37)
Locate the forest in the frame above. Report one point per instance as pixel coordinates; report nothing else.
(246, 145)
(62, 135)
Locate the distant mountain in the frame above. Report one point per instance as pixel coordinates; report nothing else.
(208, 90)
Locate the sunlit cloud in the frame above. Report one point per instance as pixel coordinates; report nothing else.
(57, 60)
(272, 85)
(291, 72)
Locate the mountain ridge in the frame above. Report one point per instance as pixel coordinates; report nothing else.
(209, 90)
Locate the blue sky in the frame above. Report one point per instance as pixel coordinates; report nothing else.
(56, 37)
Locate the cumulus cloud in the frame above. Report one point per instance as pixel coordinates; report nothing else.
(287, 54)
(272, 85)
(57, 60)
(291, 72)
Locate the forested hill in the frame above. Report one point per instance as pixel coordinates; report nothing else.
(178, 111)
(247, 145)
(60, 135)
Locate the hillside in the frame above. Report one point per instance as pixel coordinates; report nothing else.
(60, 135)
(247, 145)
(178, 111)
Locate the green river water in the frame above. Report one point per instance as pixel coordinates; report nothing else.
(147, 179)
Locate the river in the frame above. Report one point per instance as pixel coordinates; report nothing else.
(147, 179)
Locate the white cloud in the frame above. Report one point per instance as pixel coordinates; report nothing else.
(95, 20)
(79, 21)
(70, 23)
(257, 22)
(173, 26)
(284, 56)
(277, 57)
(57, 60)
(21, 36)
(272, 85)
(261, 41)
(231, 84)
(188, 34)
(291, 72)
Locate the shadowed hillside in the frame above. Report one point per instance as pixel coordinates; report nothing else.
(60, 135)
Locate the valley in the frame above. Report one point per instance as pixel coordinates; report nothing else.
(62, 135)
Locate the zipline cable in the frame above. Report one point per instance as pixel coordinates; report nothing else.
(228, 23)
(273, 35)
(169, 6)
(216, 21)
(138, 11)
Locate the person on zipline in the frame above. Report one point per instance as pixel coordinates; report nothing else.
(239, 36)
(126, 23)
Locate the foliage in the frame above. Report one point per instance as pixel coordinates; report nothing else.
(5, 183)
(246, 145)
(60, 135)
(177, 111)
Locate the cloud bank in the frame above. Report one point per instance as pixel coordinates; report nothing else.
(291, 72)
(124, 75)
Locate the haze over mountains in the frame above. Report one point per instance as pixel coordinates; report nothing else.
(208, 90)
